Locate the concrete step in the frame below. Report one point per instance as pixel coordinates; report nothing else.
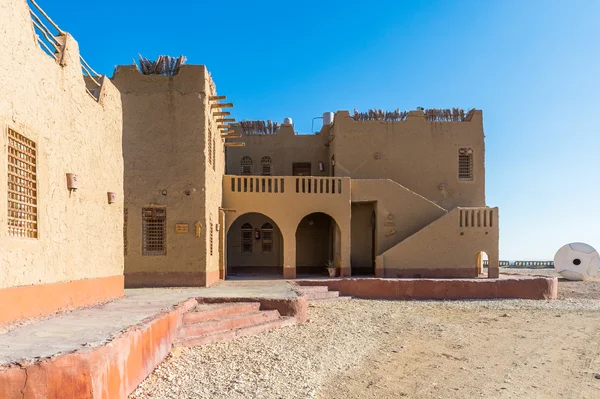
(233, 334)
(216, 311)
(311, 296)
(231, 322)
(313, 288)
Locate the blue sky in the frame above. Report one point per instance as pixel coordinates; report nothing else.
(533, 66)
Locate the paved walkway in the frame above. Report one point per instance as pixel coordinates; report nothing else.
(94, 326)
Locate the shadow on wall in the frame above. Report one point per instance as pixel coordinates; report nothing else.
(254, 246)
(317, 242)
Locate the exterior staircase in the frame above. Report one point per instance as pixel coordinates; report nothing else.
(320, 293)
(209, 323)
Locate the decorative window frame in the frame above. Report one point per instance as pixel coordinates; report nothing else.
(247, 239)
(465, 164)
(154, 217)
(246, 166)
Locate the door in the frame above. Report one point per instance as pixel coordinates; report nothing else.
(301, 169)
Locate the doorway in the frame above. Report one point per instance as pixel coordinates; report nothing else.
(363, 238)
(301, 169)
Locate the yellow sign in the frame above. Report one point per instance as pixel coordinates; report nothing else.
(198, 226)
(390, 223)
(390, 233)
(181, 228)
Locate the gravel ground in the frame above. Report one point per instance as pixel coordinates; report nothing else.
(424, 349)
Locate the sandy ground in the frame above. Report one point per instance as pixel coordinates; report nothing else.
(389, 349)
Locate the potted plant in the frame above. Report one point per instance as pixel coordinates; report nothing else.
(331, 268)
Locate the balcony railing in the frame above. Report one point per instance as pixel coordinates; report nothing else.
(477, 217)
(279, 185)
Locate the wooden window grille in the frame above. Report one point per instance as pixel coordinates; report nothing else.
(154, 231)
(247, 242)
(213, 153)
(267, 237)
(211, 238)
(465, 164)
(210, 147)
(246, 166)
(125, 217)
(22, 186)
(266, 166)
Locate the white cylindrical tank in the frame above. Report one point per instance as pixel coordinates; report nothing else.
(328, 118)
(287, 121)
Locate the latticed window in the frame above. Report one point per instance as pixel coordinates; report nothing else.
(210, 147)
(266, 166)
(211, 238)
(154, 231)
(22, 186)
(247, 238)
(246, 166)
(267, 237)
(125, 217)
(465, 164)
(213, 153)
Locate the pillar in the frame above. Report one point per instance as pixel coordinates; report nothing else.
(289, 253)
(493, 265)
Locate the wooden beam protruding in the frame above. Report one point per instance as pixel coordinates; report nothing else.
(231, 136)
(221, 120)
(221, 113)
(235, 144)
(216, 98)
(222, 105)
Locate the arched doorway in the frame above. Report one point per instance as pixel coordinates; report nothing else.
(318, 241)
(481, 263)
(254, 247)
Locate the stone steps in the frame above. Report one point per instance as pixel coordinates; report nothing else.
(209, 323)
(233, 334)
(216, 311)
(319, 293)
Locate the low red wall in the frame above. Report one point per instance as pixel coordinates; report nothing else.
(28, 301)
(292, 307)
(171, 279)
(110, 371)
(378, 288)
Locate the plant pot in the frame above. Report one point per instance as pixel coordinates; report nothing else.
(332, 272)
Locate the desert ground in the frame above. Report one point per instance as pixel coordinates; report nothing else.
(413, 349)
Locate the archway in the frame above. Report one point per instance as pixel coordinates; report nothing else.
(254, 247)
(318, 241)
(481, 263)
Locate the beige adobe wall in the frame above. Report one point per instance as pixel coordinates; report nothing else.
(80, 234)
(285, 148)
(400, 212)
(446, 247)
(213, 182)
(417, 154)
(164, 147)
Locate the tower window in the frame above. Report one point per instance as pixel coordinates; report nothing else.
(266, 166)
(465, 164)
(246, 166)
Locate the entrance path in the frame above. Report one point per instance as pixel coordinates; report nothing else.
(97, 325)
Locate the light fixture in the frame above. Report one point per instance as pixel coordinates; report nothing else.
(72, 183)
(112, 197)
